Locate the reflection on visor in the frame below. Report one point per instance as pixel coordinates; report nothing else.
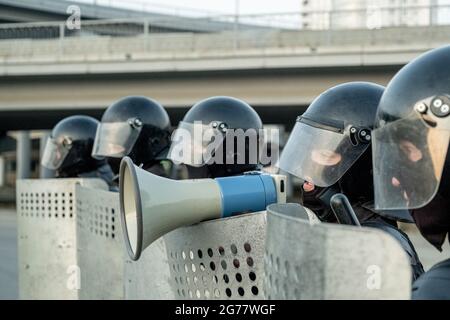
(115, 139)
(54, 154)
(196, 144)
(319, 156)
(408, 159)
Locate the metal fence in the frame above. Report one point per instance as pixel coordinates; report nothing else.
(361, 18)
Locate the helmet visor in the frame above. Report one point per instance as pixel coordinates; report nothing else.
(197, 144)
(318, 155)
(408, 159)
(54, 154)
(115, 139)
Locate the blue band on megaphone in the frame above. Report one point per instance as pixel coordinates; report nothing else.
(247, 193)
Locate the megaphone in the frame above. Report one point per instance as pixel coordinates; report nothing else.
(151, 206)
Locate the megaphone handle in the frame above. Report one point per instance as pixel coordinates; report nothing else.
(343, 210)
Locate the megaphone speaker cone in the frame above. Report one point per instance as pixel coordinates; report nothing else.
(130, 208)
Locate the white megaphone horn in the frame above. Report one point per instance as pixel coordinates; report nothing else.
(151, 206)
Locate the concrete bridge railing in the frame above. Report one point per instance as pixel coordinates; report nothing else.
(192, 45)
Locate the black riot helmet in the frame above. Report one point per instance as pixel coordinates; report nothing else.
(133, 126)
(330, 146)
(412, 131)
(69, 148)
(410, 141)
(218, 136)
(332, 134)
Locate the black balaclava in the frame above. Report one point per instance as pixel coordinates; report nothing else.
(433, 220)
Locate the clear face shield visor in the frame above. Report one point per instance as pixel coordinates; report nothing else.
(197, 144)
(55, 153)
(320, 153)
(409, 156)
(116, 139)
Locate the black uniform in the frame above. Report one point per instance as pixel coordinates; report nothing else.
(433, 284)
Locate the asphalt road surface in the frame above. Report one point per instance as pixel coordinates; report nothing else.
(8, 254)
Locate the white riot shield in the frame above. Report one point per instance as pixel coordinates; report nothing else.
(47, 247)
(332, 261)
(218, 259)
(148, 278)
(101, 251)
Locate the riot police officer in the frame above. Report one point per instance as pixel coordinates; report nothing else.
(219, 136)
(411, 157)
(69, 148)
(330, 149)
(137, 127)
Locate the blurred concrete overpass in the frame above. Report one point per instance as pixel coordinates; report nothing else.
(12, 11)
(278, 72)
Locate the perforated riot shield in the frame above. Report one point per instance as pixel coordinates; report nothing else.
(332, 261)
(149, 277)
(101, 252)
(218, 259)
(47, 247)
